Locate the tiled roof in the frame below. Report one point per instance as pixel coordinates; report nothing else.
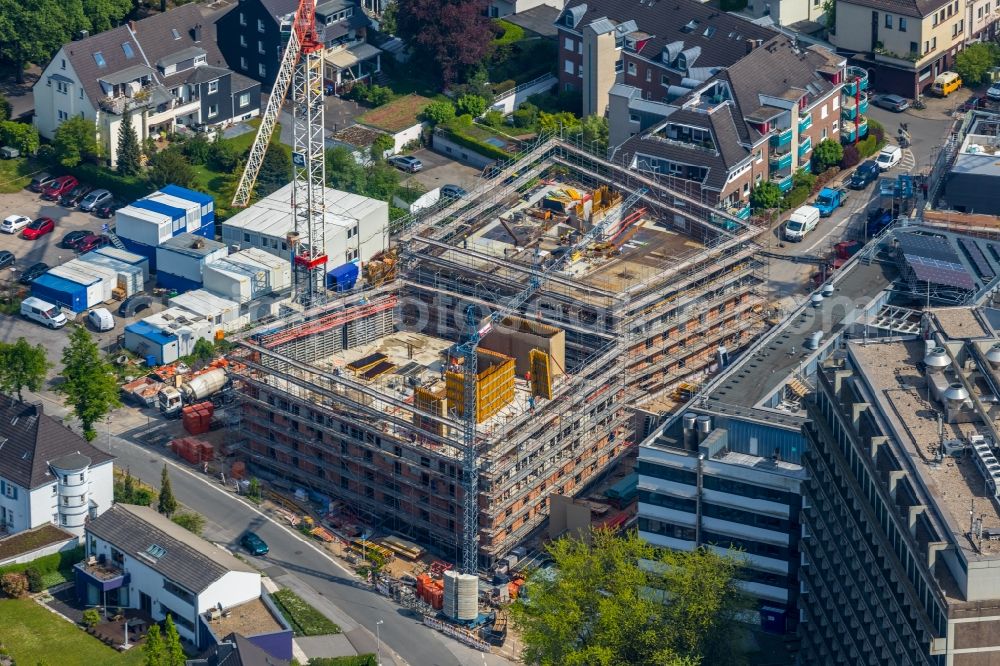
(279, 8)
(30, 439)
(668, 21)
(157, 38)
(917, 8)
(235, 650)
(165, 546)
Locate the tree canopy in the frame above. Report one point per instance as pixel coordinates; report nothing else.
(168, 503)
(75, 140)
(89, 383)
(455, 35)
(275, 170)
(22, 366)
(765, 195)
(827, 153)
(974, 62)
(170, 166)
(129, 152)
(618, 600)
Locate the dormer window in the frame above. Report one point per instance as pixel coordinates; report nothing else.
(568, 20)
(682, 62)
(630, 43)
(200, 60)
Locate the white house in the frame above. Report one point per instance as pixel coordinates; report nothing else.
(137, 558)
(48, 473)
(167, 69)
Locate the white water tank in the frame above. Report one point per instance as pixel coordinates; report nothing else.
(461, 596)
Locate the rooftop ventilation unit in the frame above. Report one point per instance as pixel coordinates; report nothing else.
(937, 360)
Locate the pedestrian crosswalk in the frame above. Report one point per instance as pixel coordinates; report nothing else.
(908, 162)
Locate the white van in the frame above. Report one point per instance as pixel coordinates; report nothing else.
(802, 221)
(43, 312)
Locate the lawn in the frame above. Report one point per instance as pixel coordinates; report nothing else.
(305, 620)
(15, 174)
(33, 635)
(397, 115)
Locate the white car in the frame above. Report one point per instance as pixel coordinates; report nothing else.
(14, 223)
(994, 92)
(889, 157)
(101, 319)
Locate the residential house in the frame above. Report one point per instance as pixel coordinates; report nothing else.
(48, 473)
(251, 38)
(904, 44)
(662, 49)
(138, 558)
(501, 8)
(801, 16)
(753, 121)
(166, 69)
(236, 650)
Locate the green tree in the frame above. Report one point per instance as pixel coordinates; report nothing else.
(75, 140)
(974, 62)
(826, 154)
(170, 166)
(601, 608)
(275, 170)
(129, 152)
(830, 15)
(192, 522)
(474, 105)
(381, 181)
(168, 503)
(22, 366)
(105, 14)
(387, 22)
(551, 122)
(203, 352)
(31, 31)
(89, 383)
(343, 172)
(128, 486)
(22, 136)
(765, 195)
(6, 110)
(153, 649)
(594, 131)
(253, 489)
(382, 144)
(173, 652)
(437, 113)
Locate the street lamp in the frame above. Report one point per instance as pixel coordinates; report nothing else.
(378, 643)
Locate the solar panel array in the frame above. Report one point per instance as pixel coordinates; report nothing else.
(932, 247)
(977, 258)
(934, 260)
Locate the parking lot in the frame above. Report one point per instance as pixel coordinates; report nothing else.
(440, 170)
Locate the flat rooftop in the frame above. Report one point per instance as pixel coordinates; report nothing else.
(248, 619)
(783, 351)
(900, 389)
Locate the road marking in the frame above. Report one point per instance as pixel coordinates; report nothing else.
(908, 161)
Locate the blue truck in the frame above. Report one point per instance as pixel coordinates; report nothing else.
(830, 199)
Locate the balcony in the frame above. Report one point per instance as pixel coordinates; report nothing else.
(850, 83)
(781, 138)
(805, 165)
(805, 122)
(784, 183)
(805, 146)
(101, 574)
(848, 132)
(849, 107)
(779, 161)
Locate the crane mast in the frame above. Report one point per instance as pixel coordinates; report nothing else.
(301, 69)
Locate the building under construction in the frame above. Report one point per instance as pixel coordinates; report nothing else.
(363, 400)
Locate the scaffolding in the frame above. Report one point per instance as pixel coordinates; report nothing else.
(639, 322)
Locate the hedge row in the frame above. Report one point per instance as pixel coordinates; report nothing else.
(124, 188)
(454, 133)
(49, 563)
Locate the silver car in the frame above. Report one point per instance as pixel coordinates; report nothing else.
(95, 199)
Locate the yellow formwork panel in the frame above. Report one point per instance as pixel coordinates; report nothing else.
(434, 402)
(541, 374)
(494, 385)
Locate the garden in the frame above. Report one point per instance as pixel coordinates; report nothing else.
(305, 620)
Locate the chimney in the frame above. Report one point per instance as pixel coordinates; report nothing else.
(131, 26)
(196, 33)
(751, 44)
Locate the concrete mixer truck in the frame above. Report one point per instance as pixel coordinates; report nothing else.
(202, 386)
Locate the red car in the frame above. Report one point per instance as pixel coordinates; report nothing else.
(58, 187)
(92, 242)
(38, 228)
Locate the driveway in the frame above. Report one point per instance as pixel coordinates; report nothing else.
(20, 95)
(439, 170)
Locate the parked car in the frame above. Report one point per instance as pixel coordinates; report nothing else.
(993, 94)
(72, 198)
(891, 102)
(95, 199)
(59, 187)
(134, 304)
(31, 273)
(878, 219)
(864, 175)
(39, 181)
(9, 152)
(407, 163)
(73, 238)
(975, 102)
(38, 228)
(453, 191)
(92, 242)
(101, 319)
(14, 223)
(6, 258)
(889, 157)
(43, 312)
(254, 544)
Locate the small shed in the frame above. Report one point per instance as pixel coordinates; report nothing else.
(223, 313)
(181, 261)
(60, 291)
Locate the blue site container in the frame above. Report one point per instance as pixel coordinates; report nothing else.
(342, 278)
(60, 291)
(206, 202)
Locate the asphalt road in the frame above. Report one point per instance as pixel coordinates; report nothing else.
(296, 563)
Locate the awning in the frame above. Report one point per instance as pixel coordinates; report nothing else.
(353, 55)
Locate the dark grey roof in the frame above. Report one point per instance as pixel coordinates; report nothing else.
(205, 74)
(331, 6)
(187, 560)
(239, 82)
(236, 650)
(918, 8)
(70, 462)
(151, 39)
(190, 53)
(279, 8)
(665, 21)
(126, 74)
(29, 439)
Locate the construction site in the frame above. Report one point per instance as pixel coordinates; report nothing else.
(509, 348)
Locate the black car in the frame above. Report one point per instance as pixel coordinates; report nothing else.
(6, 258)
(33, 272)
(864, 175)
(72, 198)
(74, 238)
(39, 181)
(878, 220)
(106, 211)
